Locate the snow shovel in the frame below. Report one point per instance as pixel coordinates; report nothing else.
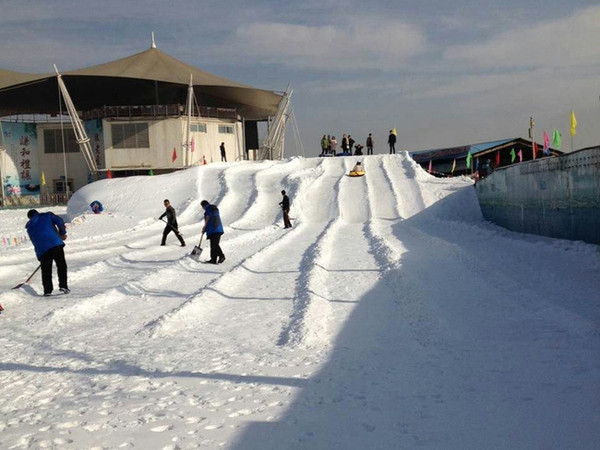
(197, 249)
(30, 277)
(172, 227)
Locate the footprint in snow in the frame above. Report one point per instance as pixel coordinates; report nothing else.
(161, 428)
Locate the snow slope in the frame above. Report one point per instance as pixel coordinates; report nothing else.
(390, 316)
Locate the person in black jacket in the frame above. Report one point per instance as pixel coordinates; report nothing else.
(392, 142)
(171, 224)
(285, 207)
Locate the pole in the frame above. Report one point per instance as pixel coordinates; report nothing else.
(62, 135)
(532, 135)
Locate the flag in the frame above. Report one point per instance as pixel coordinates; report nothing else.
(394, 132)
(430, 166)
(174, 157)
(546, 142)
(193, 145)
(497, 158)
(513, 155)
(151, 172)
(468, 160)
(534, 150)
(453, 166)
(108, 174)
(556, 141)
(520, 155)
(43, 179)
(573, 123)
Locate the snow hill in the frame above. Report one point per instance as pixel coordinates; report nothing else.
(390, 316)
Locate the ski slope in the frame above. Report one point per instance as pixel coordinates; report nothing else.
(390, 316)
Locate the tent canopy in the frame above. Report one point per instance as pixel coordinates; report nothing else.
(151, 77)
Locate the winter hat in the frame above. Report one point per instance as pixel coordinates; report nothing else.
(203, 203)
(31, 213)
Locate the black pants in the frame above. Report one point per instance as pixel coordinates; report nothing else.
(286, 218)
(392, 149)
(215, 248)
(369, 150)
(55, 254)
(167, 230)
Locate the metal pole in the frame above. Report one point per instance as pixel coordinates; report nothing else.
(244, 151)
(62, 135)
(532, 132)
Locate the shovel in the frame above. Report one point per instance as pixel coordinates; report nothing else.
(197, 249)
(27, 280)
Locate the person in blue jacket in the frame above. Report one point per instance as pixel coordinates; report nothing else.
(47, 233)
(213, 227)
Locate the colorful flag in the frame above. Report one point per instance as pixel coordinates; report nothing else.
(573, 123)
(43, 179)
(174, 157)
(468, 160)
(151, 172)
(108, 174)
(193, 145)
(497, 158)
(556, 141)
(430, 166)
(520, 155)
(546, 142)
(394, 132)
(453, 166)
(513, 155)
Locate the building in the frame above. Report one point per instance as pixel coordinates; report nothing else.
(146, 113)
(468, 159)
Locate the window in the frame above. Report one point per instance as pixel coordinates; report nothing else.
(198, 127)
(130, 135)
(53, 142)
(60, 185)
(226, 129)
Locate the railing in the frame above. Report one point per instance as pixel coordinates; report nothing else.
(54, 199)
(127, 112)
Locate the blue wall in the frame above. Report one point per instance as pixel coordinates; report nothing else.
(557, 197)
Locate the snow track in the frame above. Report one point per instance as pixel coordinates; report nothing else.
(389, 316)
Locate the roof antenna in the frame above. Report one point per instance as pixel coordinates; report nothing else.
(153, 43)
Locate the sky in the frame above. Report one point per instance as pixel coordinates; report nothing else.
(441, 73)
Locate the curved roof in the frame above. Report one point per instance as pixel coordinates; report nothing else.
(146, 78)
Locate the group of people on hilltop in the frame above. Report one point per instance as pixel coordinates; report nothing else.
(329, 144)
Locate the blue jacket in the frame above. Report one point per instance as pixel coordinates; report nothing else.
(212, 220)
(45, 231)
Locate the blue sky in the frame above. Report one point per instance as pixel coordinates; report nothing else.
(442, 73)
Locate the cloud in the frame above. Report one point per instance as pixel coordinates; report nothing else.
(558, 43)
(365, 43)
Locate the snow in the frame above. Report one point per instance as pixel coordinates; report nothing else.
(391, 316)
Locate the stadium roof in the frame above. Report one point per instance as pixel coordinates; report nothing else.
(146, 78)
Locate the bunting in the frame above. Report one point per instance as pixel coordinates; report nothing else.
(151, 172)
(43, 179)
(108, 174)
(498, 158)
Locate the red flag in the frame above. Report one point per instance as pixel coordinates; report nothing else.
(534, 150)
(497, 158)
(174, 157)
(193, 145)
(108, 174)
(430, 166)
(546, 141)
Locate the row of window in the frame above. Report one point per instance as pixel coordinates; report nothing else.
(124, 135)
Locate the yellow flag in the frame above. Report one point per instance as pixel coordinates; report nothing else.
(573, 123)
(394, 132)
(43, 179)
(453, 166)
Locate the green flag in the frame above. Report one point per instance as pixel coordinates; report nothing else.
(468, 160)
(556, 142)
(513, 155)
(151, 172)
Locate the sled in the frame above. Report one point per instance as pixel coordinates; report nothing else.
(357, 173)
